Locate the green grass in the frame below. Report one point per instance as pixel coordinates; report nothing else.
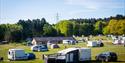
(119, 49)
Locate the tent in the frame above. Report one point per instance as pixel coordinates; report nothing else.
(53, 46)
(118, 42)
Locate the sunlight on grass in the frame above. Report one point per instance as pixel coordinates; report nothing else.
(119, 49)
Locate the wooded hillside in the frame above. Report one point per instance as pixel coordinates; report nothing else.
(40, 27)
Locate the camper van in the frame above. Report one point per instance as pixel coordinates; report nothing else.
(70, 55)
(17, 54)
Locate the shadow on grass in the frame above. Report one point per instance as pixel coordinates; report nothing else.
(120, 61)
(94, 61)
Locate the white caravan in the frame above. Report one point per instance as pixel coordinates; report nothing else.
(70, 55)
(92, 43)
(17, 54)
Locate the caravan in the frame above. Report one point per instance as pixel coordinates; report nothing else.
(92, 43)
(70, 55)
(17, 54)
(98, 43)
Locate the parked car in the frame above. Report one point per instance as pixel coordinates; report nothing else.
(70, 42)
(31, 56)
(39, 48)
(4, 42)
(106, 56)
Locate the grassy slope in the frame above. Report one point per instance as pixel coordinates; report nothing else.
(119, 49)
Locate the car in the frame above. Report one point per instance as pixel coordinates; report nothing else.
(31, 56)
(39, 48)
(106, 56)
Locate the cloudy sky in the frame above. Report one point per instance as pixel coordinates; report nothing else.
(13, 10)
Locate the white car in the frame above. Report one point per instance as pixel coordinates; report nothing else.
(39, 48)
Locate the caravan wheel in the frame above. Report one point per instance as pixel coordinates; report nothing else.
(38, 50)
(106, 60)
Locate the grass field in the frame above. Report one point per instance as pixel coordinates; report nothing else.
(119, 49)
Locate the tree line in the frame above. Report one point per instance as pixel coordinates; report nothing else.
(40, 27)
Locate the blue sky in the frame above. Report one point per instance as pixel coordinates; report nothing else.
(13, 10)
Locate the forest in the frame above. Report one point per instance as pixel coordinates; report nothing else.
(23, 29)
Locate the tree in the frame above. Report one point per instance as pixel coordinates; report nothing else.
(75, 28)
(115, 27)
(65, 27)
(99, 25)
(106, 30)
(10, 32)
(32, 28)
(49, 30)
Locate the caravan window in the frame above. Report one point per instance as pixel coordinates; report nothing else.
(36, 46)
(44, 46)
(9, 52)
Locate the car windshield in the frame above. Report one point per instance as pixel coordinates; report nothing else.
(113, 54)
(43, 46)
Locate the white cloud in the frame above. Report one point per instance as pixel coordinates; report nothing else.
(93, 8)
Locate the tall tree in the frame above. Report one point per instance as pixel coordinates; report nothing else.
(65, 27)
(49, 30)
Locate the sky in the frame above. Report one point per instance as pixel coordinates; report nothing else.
(13, 10)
